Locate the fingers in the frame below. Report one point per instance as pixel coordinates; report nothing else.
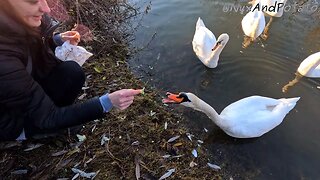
(126, 99)
(125, 105)
(123, 98)
(133, 92)
(72, 36)
(126, 102)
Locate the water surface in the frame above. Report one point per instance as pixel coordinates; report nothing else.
(291, 150)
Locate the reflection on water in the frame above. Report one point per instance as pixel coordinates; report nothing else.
(291, 150)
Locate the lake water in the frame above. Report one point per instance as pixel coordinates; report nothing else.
(291, 150)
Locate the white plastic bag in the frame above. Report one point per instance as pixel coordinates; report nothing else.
(69, 52)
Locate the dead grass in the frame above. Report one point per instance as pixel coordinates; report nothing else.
(137, 137)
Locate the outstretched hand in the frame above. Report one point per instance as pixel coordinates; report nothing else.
(72, 36)
(123, 98)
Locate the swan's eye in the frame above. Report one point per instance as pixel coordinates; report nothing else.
(219, 42)
(184, 97)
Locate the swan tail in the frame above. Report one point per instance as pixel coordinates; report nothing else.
(253, 24)
(289, 103)
(200, 23)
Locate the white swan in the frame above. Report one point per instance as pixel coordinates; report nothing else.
(253, 24)
(205, 45)
(247, 118)
(310, 67)
(273, 12)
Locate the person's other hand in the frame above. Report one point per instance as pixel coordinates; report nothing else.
(123, 98)
(72, 36)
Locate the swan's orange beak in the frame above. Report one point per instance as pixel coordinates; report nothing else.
(172, 98)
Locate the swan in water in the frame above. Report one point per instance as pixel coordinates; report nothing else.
(253, 24)
(247, 118)
(273, 12)
(310, 67)
(266, 5)
(205, 45)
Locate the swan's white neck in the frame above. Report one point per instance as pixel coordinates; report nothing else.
(212, 60)
(202, 106)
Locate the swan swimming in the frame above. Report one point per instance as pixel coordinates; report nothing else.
(205, 45)
(309, 67)
(276, 12)
(278, 5)
(246, 118)
(253, 24)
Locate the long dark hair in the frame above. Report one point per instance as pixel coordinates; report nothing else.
(8, 10)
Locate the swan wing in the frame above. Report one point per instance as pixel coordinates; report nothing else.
(253, 116)
(253, 24)
(310, 66)
(316, 72)
(203, 41)
(200, 23)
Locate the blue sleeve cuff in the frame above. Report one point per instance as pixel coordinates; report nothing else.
(105, 103)
(57, 39)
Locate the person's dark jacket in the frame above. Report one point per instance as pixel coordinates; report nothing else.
(22, 99)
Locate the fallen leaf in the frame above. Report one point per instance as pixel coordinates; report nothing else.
(166, 156)
(135, 143)
(33, 146)
(177, 144)
(213, 166)
(59, 153)
(82, 96)
(178, 156)
(200, 141)
(20, 172)
(136, 162)
(104, 139)
(152, 113)
(195, 153)
(192, 164)
(84, 174)
(173, 139)
(81, 138)
(97, 69)
(167, 174)
(189, 136)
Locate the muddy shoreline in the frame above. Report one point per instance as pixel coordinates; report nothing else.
(142, 142)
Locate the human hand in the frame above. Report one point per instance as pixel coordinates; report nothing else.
(123, 98)
(72, 36)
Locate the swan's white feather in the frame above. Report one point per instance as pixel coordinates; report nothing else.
(253, 24)
(310, 67)
(203, 43)
(254, 116)
(247, 118)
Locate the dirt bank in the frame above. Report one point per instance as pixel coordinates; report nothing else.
(136, 142)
